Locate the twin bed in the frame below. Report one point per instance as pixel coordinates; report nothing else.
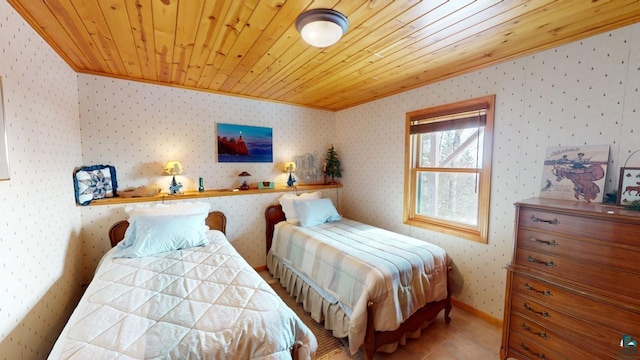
(373, 286)
(192, 303)
(203, 300)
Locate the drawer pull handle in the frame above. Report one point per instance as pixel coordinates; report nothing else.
(545, 263)
(526, 348)
(537, 219)
(544, 314)
(546, 242)
(543, 292)
(541, 334)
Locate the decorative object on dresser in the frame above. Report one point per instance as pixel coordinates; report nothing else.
(575, 172)
(173, 168)
(243, 176)
(572, 288)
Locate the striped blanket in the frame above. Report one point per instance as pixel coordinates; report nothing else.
(353, 263)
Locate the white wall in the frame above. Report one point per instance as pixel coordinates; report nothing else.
(582, 93)
(138, 127)
(40, 261)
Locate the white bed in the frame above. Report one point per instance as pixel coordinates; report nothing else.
(198, 302)
(365, 283)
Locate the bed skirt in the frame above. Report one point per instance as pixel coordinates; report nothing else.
(321, 310)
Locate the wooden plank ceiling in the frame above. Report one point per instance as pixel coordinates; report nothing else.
(251, 47)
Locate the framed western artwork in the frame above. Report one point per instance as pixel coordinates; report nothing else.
(241, 143)
(575, 172)
(4, 156)
(629, 185)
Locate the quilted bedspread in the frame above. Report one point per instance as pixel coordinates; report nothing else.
(354, 263)
(204, 302)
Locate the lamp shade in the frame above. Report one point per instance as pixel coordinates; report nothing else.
(290, 167)
(321, 27)
(172, 168)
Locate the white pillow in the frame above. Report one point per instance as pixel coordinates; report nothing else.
(149, 235)
(286, 201)
(179, 208)
(315, 212)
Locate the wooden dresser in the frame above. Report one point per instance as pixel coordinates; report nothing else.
(573, 287)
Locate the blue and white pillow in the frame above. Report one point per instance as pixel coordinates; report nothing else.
(94, 182)
(315, 211)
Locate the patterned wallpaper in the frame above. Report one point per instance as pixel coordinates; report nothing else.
(138, 127)
(41, 258)
(582, 93)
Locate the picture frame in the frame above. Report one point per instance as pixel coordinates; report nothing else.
(629, 185)
(575, 173)
(4, 148)
(242, 143)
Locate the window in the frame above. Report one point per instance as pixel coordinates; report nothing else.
(448, 168)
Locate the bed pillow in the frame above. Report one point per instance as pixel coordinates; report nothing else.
(315, 212)
(286, 201)
(179, 208)
(150, 235)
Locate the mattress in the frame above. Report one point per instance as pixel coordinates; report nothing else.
(350, 264)
(203, 302)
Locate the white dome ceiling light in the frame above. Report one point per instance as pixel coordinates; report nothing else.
(321, 27)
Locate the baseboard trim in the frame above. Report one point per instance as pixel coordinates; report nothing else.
(473, 311)
(261, 268)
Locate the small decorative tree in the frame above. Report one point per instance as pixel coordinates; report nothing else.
(332, 166)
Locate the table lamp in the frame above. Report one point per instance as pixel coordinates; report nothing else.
(173, 168)
(290, 167)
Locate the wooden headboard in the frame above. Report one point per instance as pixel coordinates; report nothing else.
(216, 220)
(273, 214)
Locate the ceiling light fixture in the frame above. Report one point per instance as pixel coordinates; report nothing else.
(321, 27)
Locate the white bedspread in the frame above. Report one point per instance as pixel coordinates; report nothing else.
(355, 263)
(204, 302)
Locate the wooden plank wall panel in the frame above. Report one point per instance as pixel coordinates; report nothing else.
(141, 24)
(190, 14)
(209, 28)
(165, 18)
(234, 22)
(117, 18)
(93, 21)
(251, 47)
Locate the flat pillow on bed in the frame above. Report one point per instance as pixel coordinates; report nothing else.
(286, 201)
(160, 228)
(315, 212)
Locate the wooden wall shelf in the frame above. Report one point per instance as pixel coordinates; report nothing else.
(209, 193)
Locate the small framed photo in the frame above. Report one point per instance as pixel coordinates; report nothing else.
(629, 187)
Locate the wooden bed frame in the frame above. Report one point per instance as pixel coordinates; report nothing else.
(374, 339)
(216, 220)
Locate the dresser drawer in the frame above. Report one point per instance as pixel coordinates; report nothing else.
(585, 308)
(531, 333)
(611, 279)
(529, 311)
(524, 348)
(595, 251)
(623, 232)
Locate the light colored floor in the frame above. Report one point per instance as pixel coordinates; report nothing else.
(467, 337)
